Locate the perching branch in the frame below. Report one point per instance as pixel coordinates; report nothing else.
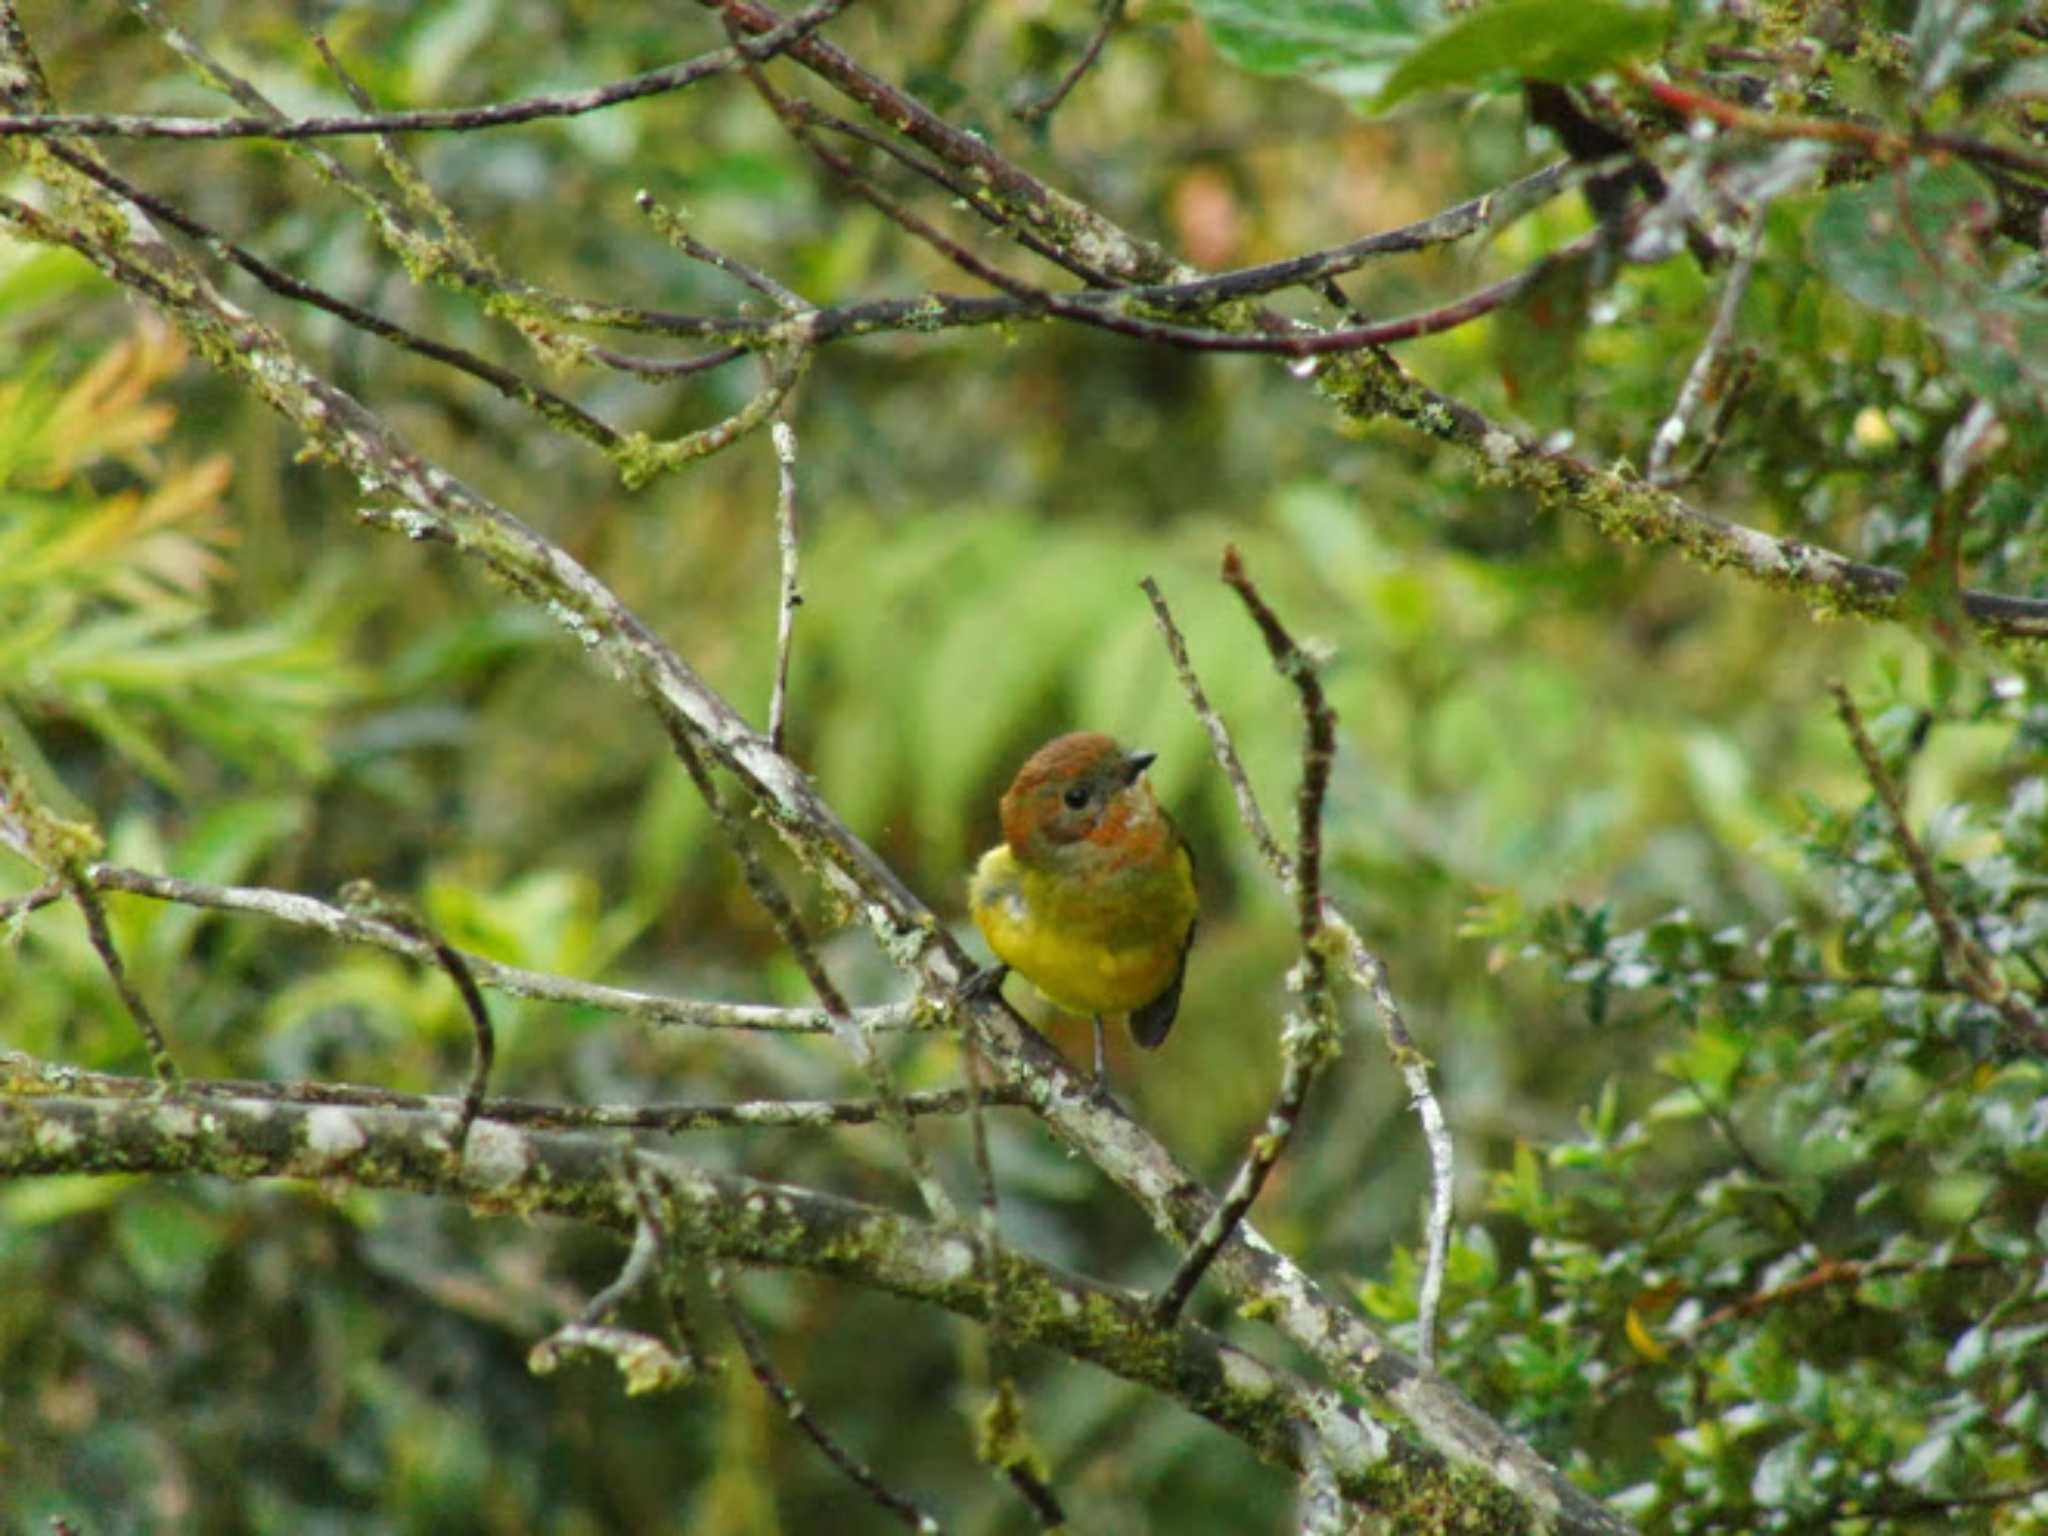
(712, 1215)
(20, 1073)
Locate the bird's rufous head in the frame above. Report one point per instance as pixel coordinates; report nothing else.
(1077, 790)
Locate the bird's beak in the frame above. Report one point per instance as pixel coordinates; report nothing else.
(1137, 763)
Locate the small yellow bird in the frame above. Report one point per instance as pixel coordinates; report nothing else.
(1091, 893)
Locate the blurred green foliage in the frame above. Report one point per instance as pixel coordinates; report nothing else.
(1551, 748)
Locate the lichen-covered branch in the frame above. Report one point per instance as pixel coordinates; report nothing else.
(710, 1215)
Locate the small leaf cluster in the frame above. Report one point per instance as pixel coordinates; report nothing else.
(1794, 1274)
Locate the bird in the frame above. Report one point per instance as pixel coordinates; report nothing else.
(1091, 892)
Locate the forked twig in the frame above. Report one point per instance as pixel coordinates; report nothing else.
(1309, 1038)
(646, 1363)
(1360, 963)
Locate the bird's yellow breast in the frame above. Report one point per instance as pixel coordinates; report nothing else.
(1093, 946)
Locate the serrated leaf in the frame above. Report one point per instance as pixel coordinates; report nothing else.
(1556, 40)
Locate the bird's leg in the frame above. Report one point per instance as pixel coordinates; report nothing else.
(1101, 1059)
(985, 983)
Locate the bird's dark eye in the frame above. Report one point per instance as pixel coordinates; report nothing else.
(1075, 797)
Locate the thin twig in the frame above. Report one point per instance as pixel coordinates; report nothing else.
(647, 1007)
(46, 894)
(546, 402)
(666, 368)
(1965, 959)
(60, 848)
(673, 230)
(364, 899)
(90, 908)
(1248, 807)
(792, 1406)
(1309, 1038)
(1741, 371)
(418, 193)
(1882, 145)
(1038, 111)
(785, 369)
(1707, 365)
(784, 436)
(1767, 1181)
(654, 82)
(1367, 970)
(959, 185)
(1361, 964)
(1020, 196)
(790, 928)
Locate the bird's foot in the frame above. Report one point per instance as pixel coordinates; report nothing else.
(984, 984)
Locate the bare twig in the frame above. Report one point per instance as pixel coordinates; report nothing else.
(1965, 959)
(337, 922)
(1309, 1038)
(667, 368)
(1219, 738)
(365, 900)
(1365, 970)
(792, 595)
(61, 849)
(1882, 145)
(554, 407)
(655, 82)
(1020, 196)
(1038, 111)
(1741, 369)
(677, 235)
(790, 928)
(792, 1406)
(1370, 972)
(956, 184)
(95, 916)
(784, 369)
(46, 894)
(1707, 366)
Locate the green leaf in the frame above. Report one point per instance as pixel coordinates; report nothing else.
(1346, 46)
(1556, 40)
(1915, 243)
